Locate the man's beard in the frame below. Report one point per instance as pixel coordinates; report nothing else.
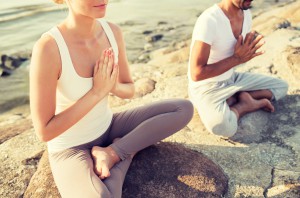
(243, 7)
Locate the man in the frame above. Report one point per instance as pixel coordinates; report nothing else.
(221, 41)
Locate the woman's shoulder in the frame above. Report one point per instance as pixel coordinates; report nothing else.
(46, 44)
(45, 52)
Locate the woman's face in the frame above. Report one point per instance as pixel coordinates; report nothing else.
(88, 8)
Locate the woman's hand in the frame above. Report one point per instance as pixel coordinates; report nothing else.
(105, 73)
(245, 51)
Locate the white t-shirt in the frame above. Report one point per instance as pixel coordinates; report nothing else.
(213, 27)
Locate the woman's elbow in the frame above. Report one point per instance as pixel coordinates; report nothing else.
(42, 134)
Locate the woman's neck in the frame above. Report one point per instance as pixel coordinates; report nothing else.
(81, 26)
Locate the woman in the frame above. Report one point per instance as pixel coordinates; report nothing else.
(74, 67)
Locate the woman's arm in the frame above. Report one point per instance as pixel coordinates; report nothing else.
(124, 87)
(45, 69)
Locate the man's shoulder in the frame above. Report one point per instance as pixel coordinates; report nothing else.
(210, 13)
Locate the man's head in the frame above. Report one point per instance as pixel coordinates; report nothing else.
(242, 4)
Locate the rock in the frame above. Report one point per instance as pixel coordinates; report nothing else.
(146, 32)
(23, 55)
(284, 184)
(10, 63)
(175, 57)
(115, 101)
(293, 60)
(277, 15)
(160, 52)
(165, 28)
(7, 62)
(10, 129)
(154, 38)
(151, 175)
(148, 47)
(162, 23)
(170, 170)
(5, 71)
(284, 24)
(4, 57)
(144, 86)
(128, 23)
(42, 183)
(143, 58)
(251, 128)
(17, 169)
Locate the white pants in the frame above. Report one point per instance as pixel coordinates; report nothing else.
(210, 99)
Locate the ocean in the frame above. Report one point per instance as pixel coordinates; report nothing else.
(23, 22)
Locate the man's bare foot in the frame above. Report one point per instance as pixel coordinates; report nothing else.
(247, 104)
(268, 107)
(104, 159)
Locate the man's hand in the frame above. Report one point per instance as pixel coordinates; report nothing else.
(246, 50)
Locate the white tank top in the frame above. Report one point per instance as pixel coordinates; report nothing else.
(72, 87)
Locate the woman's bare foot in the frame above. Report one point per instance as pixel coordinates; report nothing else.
(247, 104)
(104, 159)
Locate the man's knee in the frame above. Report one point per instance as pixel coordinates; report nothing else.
(224, 128)
(281, 91)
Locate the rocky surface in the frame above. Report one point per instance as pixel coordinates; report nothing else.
(261, 160)
(171, 170)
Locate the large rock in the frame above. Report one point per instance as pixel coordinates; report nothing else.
(14, 123)
(170, 170)
(42, 183)
(162, 170)
(144, 86)
(19, 157)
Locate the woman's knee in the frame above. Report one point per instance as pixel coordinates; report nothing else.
(186, 109)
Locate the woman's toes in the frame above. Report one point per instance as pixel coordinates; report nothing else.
(98, 171)
(105, 173)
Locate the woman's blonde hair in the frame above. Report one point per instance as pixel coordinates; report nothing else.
(59, 1)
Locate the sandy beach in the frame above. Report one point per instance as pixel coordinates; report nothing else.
(261, 160)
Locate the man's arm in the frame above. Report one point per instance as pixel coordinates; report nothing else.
(243, 52)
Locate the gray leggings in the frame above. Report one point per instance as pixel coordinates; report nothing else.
(138, 128)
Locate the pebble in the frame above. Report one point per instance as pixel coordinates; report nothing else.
(154, 38)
